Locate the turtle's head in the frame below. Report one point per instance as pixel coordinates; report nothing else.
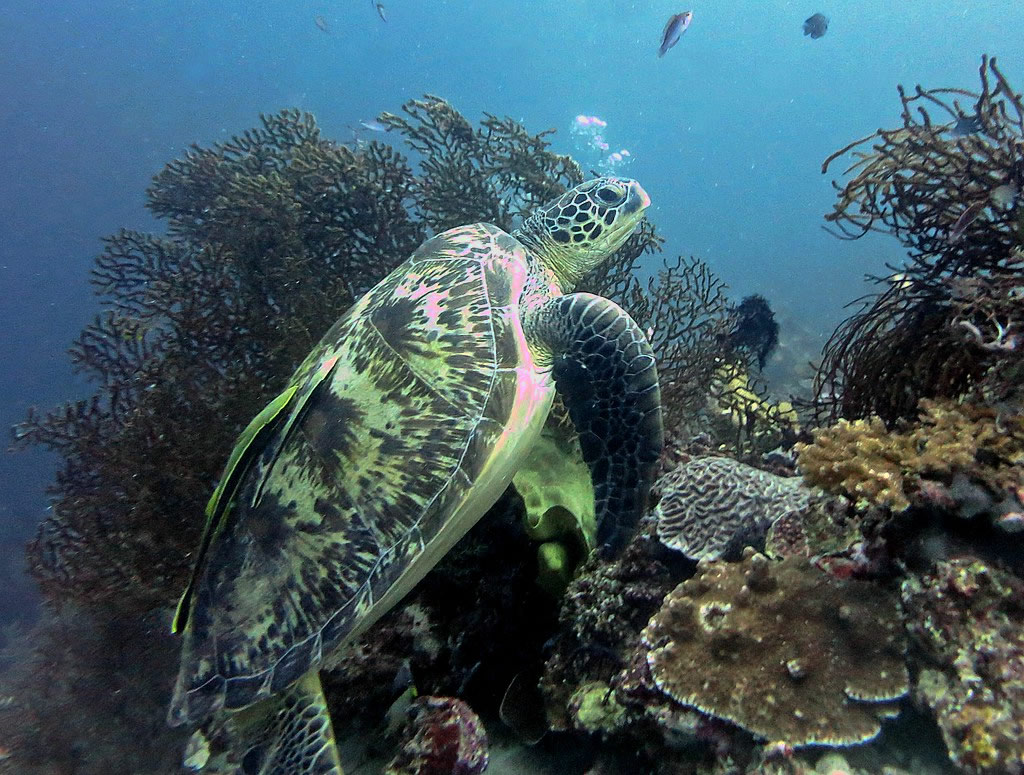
(584, 226)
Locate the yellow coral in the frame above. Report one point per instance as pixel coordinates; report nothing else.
(867, 462)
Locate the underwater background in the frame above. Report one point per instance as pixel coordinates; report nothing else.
(727, 132)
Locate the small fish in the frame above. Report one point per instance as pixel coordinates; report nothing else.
(816, 26)
(966, 125)
(197, 752)
(403, 688)
(674, 29)
(1004, 196)
(374, 125)
(321, 24)
(1010, 522)
(381, 11)
(967, 217)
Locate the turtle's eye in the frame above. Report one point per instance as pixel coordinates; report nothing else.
(612, 194)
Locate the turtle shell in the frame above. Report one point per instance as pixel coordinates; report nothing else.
(402, 428)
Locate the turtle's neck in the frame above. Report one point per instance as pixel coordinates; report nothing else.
(557, 259)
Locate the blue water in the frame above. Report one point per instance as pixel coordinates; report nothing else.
(727, 132)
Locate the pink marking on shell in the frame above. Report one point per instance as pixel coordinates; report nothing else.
(327, 365)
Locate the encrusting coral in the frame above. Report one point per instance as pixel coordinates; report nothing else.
(780, 649)
(968, 619)
(874, 466)
(922, 182)
(712, 507)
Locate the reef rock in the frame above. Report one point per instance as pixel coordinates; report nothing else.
(968, 618)
(445, 737)
(711, 507)
(780, 649)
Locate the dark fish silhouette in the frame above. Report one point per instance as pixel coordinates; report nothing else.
(321, 23)
(966, 125)
(674, 29)
(816, 25)
(381, 12)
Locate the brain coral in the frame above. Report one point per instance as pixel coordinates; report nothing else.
(781, 650)
(711, 507)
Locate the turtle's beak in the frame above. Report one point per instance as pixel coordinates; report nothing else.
(637, 200)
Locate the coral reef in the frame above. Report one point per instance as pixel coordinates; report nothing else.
(871, 465)
(744, 420)
(968, 618)
(828, 527)
(270, 236)
(599, 623)
(444, 737)
(711, 507)
(781, 650)
(922, 182)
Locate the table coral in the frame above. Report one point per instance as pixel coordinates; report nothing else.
(714, 506)
(968, 618)
(781, 650)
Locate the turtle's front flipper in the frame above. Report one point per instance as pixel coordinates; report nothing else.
(288, 734)
(605, 372)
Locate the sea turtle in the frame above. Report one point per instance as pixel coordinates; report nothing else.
(399, 430)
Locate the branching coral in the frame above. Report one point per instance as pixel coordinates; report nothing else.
(871, 465)
(780, 649)
(685, 311)
(712, 507)
(967, 618)
(951, 195)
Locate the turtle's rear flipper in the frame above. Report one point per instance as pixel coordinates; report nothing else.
(288, 734)
(605, 372)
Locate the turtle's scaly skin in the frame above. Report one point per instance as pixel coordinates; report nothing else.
(401, 428)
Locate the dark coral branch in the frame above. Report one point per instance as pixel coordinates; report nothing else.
(921, 182)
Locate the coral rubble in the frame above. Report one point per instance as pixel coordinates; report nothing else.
(968, 619)
(781, 650)
(711, 507)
